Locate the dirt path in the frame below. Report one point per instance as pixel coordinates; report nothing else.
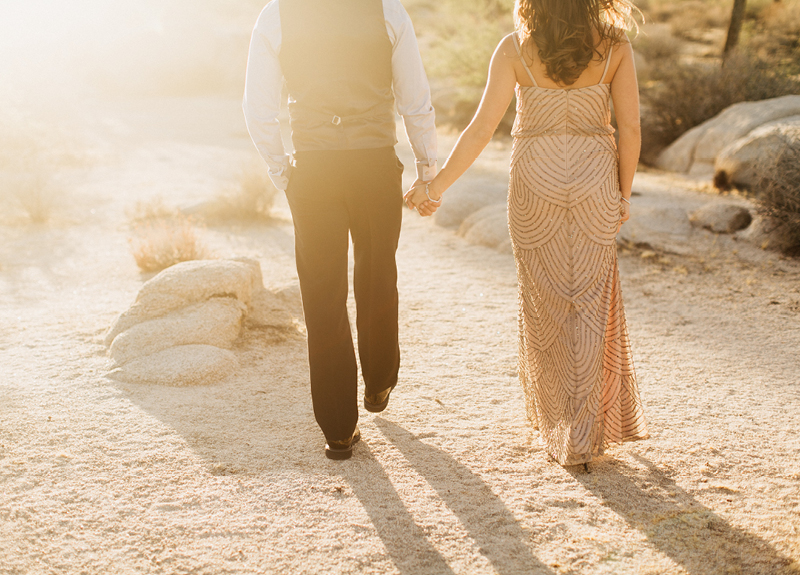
(99, 477)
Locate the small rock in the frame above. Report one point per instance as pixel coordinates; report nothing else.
(487, 227)
(721, 218)
(179, 366)
(268, 309)
(660, 228)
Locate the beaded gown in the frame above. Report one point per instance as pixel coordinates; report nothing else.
(575, 360)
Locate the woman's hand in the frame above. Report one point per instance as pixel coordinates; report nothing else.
(624, 213)
(417, 198)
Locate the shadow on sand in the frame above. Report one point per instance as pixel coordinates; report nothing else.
(490, 524)
(406, 543)
(676, 524)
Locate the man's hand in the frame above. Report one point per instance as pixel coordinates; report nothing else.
(407, 196)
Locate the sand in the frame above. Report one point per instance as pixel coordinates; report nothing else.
(99, 477)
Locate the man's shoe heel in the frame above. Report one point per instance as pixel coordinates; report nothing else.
(377, 403)
(340, 450)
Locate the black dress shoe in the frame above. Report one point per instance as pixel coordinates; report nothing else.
(378, 402)
(342, 449)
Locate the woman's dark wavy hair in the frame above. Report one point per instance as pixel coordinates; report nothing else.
(562, 31)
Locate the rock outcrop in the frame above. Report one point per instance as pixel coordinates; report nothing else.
(180, 366)
(488, 227)
(746, 161)
(696, 151)
(658, 227)
(185, 320)
(466, 197)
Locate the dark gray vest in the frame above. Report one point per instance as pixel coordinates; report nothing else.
(336, 57)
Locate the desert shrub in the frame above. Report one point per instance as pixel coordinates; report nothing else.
(693, 18)
(687, 18)
(32, 152)
(657, 45)
(779, 195)
(30, 192)
(775, 35)
(464, 35)
(163, 237)
(249, 199)
(685, 95)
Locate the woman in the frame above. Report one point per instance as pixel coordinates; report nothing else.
(569, 193)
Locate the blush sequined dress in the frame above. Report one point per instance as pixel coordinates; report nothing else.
(575, 360)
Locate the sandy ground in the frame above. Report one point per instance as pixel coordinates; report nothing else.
(98, 477)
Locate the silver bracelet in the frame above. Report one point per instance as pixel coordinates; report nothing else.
(626, 200)
(430, 199)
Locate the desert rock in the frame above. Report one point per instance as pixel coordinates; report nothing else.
(190, 307)
(487, 227)
(180, 366)
(696, 151)
(745, 162)
(216, 322)
(721, 218)
(186, 283)
(658, 227)
(466, 197)
(269, 309)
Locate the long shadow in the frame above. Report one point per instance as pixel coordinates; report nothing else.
(489, 522)
(404, 540)
(258, 420)
(676, 524)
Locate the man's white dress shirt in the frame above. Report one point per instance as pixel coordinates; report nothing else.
(262, 98)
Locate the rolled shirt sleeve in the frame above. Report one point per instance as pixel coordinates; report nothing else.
(262, 94)
(411, 89)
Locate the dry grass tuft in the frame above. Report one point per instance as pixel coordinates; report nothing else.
(249, 199)
(33, 193)
(779, 195)
(33, 151)
(152, 211)
(163, 237)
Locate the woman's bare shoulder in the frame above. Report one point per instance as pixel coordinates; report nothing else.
(508, 46)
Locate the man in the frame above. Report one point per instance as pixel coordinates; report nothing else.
(347, 64)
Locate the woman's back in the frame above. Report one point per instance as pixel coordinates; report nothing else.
(580, 109)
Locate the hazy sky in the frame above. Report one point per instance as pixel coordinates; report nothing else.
(63, 42)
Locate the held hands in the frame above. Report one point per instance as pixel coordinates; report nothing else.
(417, 198)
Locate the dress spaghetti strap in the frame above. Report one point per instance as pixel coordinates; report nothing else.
(524, 64)
(608, 61)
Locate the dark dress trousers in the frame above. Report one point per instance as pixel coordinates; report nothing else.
(346, 183)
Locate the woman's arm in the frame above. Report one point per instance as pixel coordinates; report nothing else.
(625, 94)
(496, 99)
